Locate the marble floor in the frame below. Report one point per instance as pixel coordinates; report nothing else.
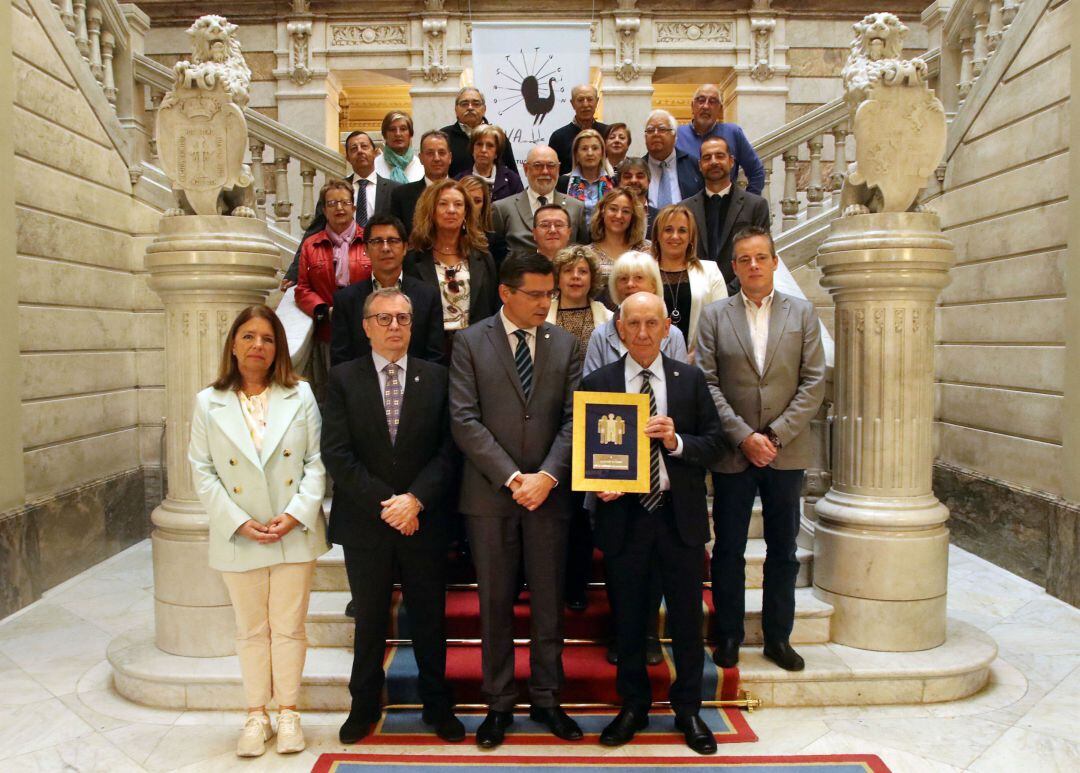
(58, 711)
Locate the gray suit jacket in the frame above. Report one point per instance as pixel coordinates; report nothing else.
(785, 397)
(513, 219)
(500, 432)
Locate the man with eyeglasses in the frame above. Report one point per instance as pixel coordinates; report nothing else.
(385, 240)
(513, 217)
(763, 360)
(386, 440)
(435, 156)
(470, 107)
(583, 98)
(551, 230)
(707, 109)
(674, 174)
(512, 382)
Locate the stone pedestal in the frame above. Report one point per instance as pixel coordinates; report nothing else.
(205, 269)
(881, 547)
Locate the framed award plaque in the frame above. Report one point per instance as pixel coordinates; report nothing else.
(611, 452)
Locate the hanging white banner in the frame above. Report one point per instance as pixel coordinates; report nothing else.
(526, 72)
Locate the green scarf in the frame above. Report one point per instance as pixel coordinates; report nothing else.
(397, 163)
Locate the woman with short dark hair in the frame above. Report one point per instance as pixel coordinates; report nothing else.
(486, 147)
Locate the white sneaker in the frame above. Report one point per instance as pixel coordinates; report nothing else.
(254, 735)
(290, 738)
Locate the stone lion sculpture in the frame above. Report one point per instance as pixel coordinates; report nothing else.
(899, 124)
(201, 129)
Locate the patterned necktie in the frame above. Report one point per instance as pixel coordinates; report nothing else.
(651, 501)
(361, 204)
(392, 400)
(663, 193)
(523, 361)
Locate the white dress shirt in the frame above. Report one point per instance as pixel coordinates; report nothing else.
(373, 182)
(380, 369)
(727, 189)
(530, 340)
(757, 317)
(655, 172)
(534, 199)
(658, 382)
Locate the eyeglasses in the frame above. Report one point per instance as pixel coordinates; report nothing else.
(552, 225)
(543, 165)
(536, 295)
(393, 241)
(706, 101)
(470, 103)
(404, 318)
(338, 204)
(658, 130)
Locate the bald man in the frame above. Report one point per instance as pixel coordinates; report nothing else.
(584, 99)
(513, 216)
(706, 109)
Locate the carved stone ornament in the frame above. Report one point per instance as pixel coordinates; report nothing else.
(762, 30)
(435, 68)
(695, 32)
(300, 36)
(627, 68)
(350, 35)
(201, 132)
(899, 124)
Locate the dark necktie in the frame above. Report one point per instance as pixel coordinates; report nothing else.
(651, 501)
(523, 361)
(542, 200)
(392, 400)
(361, 204)
(712, 225)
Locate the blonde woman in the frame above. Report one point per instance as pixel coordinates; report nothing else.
(590, 178)
(257, 469)
(618, 227)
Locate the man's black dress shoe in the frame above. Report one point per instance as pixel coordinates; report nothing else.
(781, 653)
(697, 734)
(357, 726)
(557, 721)
(492, 730)
(350, 609)
(653, 653)
(726, 654)
(447, 726)
(622, 728)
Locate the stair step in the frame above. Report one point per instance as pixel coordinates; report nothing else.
(330, 568)
(328, 626)
(834, 676)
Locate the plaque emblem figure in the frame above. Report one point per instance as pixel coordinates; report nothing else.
(201, 132)
(611, 429)
(899, 123)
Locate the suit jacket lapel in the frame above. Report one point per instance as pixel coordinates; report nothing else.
(477, 280)
(777, 321)
(543, 354)
(524, 210)
(226, 413)
(284, 403)
(501, 345)
(734, 206)
(409, 399)
(696, 204)
(737, 316)
(425, 267)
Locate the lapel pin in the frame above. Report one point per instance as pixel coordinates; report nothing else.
(547, 335)
(416, 378)
(675, 372)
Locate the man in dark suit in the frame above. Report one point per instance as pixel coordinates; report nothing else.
(512, 382)
(469, 108)
(583, 99)
(392, 476)
(371, 193)
(674, 174)
(435, 156)
(665, 528)
(634, 175)
(385, 238)
(721, 209)
(512, 217)
(762, 356)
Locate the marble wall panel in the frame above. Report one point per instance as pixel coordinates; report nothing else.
(1026, 321)
(1032, 90)
(47, 281)
(53, 145)
(1004, 411)
(1040, 274)
(816, 62)
(1052, 33)
(1020, 188)
(17, 555)
(42, 94)
(1027, 463)
(1063, 568)
(1032, 230)
(170, 39)
(52, 375)
(814, 90)
(32, 45)
(43, 328)
(39, 186)
(49, 235)
(151, 331)
(1040, 368)
(64, 465)
(56, 420)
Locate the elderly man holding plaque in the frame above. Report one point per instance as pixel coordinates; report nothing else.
(666, 526)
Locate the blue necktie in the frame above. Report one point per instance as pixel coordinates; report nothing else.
(663, 194)
(523, 361)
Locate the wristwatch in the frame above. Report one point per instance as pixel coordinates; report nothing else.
(773, 438)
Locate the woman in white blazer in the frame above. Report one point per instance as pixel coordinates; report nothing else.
(257, 469)
(690, 284)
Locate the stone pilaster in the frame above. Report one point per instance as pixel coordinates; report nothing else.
(881, 547)
(205, 270)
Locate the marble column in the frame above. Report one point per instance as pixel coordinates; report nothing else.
(881, 545)
(205, 269)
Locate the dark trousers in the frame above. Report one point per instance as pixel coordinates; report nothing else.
(423, 581)
(733, 502)
(498, 545)
(579, 549)
(652, 539)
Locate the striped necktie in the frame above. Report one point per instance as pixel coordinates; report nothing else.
(651, 501)
(523, 362)
(392, 400)
(361, 203)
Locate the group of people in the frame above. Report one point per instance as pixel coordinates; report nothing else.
(453, 327)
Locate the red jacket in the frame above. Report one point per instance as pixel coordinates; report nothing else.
(316, 282)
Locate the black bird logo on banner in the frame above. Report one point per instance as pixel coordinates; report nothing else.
(527, 82)
(536, 105)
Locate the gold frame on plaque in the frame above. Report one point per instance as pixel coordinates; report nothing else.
(584, 482)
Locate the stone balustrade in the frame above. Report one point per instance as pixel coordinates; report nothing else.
(99, 27)
(972, 34)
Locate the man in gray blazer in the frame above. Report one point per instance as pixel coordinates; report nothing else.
(512, 382)
(512, 217)
(762, 356)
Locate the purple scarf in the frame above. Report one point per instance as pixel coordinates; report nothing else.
(340, 243)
